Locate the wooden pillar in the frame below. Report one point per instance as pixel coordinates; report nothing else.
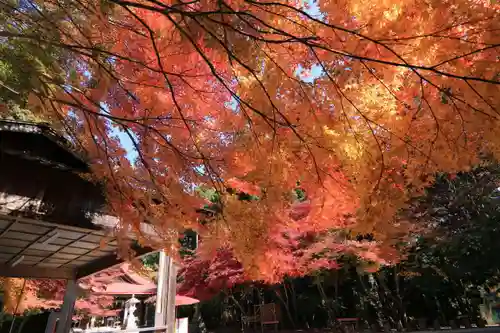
(68, 307)
(171, 320)
(146, 313)
(142, 312)
(165, 294)
(51, 322)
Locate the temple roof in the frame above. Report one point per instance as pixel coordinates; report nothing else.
(126, 282)
(52, 221)
(40, 142)
(129, 282)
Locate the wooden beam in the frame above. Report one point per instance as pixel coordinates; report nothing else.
(52, 322)
(108, 262)
(62, 248)
(27, 247)
(24, 271)
(4, 232)
(97, 230)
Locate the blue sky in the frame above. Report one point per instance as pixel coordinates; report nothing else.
(126, 143)
(313, 9)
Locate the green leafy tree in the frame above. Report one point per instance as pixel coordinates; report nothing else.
(27, 66)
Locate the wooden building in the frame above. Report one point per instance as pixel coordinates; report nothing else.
(52, 220)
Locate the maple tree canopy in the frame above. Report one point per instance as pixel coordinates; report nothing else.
(356, 103)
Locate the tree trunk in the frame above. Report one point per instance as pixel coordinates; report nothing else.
(294, 301)
(329, 310)
(14, 293)
(396, 313)
(289, 315)
(236, 302)
(197, 324)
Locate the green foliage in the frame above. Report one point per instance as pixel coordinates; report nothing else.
(151, 260)
(189, 241)
(464, 215)
(188, 244)
(26, 64)
(209, 194)
(25, 67)
(300, 194)
(15, 112)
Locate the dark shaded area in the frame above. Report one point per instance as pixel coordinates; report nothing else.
(40, 142)
(37, 163)
(32, 323)
(449, 271)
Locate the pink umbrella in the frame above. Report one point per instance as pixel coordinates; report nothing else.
(184, 300)
(124, 288)
(179, 300)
